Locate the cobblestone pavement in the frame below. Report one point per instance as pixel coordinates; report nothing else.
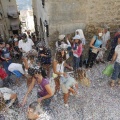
(98, 102)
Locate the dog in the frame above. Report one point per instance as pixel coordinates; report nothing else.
(83, 79)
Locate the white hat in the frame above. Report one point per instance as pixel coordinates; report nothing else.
(61, 37)
(15, 39)
(64, 46)
(76, 37)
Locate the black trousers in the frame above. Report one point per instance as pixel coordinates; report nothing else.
(111, 53)
(91, 59)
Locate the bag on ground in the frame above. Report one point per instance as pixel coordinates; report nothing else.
(108, 70)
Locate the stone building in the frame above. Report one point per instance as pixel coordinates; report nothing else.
(9, 18)
(26, 18)
(65, 16)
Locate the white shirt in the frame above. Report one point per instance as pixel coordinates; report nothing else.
(60, 67)
(105, 38)
(63, 43)
(117, 50)
(26, 46)
(15, 66)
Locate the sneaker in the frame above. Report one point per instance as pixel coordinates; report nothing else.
(66, 105)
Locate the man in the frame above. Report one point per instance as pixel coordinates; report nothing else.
(25, 44)
(116, 58)
(106, 38)
(114, 43)
(35, 112)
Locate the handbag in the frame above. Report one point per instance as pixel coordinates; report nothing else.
(94, 50)
(108, 70)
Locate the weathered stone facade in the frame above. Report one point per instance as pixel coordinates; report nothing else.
(65, 16)
(9, 18)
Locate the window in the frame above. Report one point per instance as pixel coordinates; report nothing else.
(46, 28)
(43, 3)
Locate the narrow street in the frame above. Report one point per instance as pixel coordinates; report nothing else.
(97, 102)
(53, 59)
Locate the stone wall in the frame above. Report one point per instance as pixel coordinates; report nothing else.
(65, 16)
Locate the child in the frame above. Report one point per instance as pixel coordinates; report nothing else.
(77, 51)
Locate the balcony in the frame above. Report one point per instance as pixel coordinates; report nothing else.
(12, 12)
(15, 24)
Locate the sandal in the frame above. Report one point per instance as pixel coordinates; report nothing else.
(112, 83)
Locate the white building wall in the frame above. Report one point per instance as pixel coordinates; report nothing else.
(29, 21)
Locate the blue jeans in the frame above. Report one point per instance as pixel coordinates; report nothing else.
(116, 72)
(69, 51)
(76, 62)
(6, 64)
(17, 74)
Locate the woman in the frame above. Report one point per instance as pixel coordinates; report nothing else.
(6, 57)
(59, 74)
(95, 47)
(44, 90)
(77, 51)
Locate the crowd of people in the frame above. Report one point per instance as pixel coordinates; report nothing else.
(35, 61)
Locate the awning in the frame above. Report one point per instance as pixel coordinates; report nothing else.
(12, 11)
(14, 24)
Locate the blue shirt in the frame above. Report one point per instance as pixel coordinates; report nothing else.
(98, 42)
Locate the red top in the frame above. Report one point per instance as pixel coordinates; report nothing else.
(78, 51)
(3, 74)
